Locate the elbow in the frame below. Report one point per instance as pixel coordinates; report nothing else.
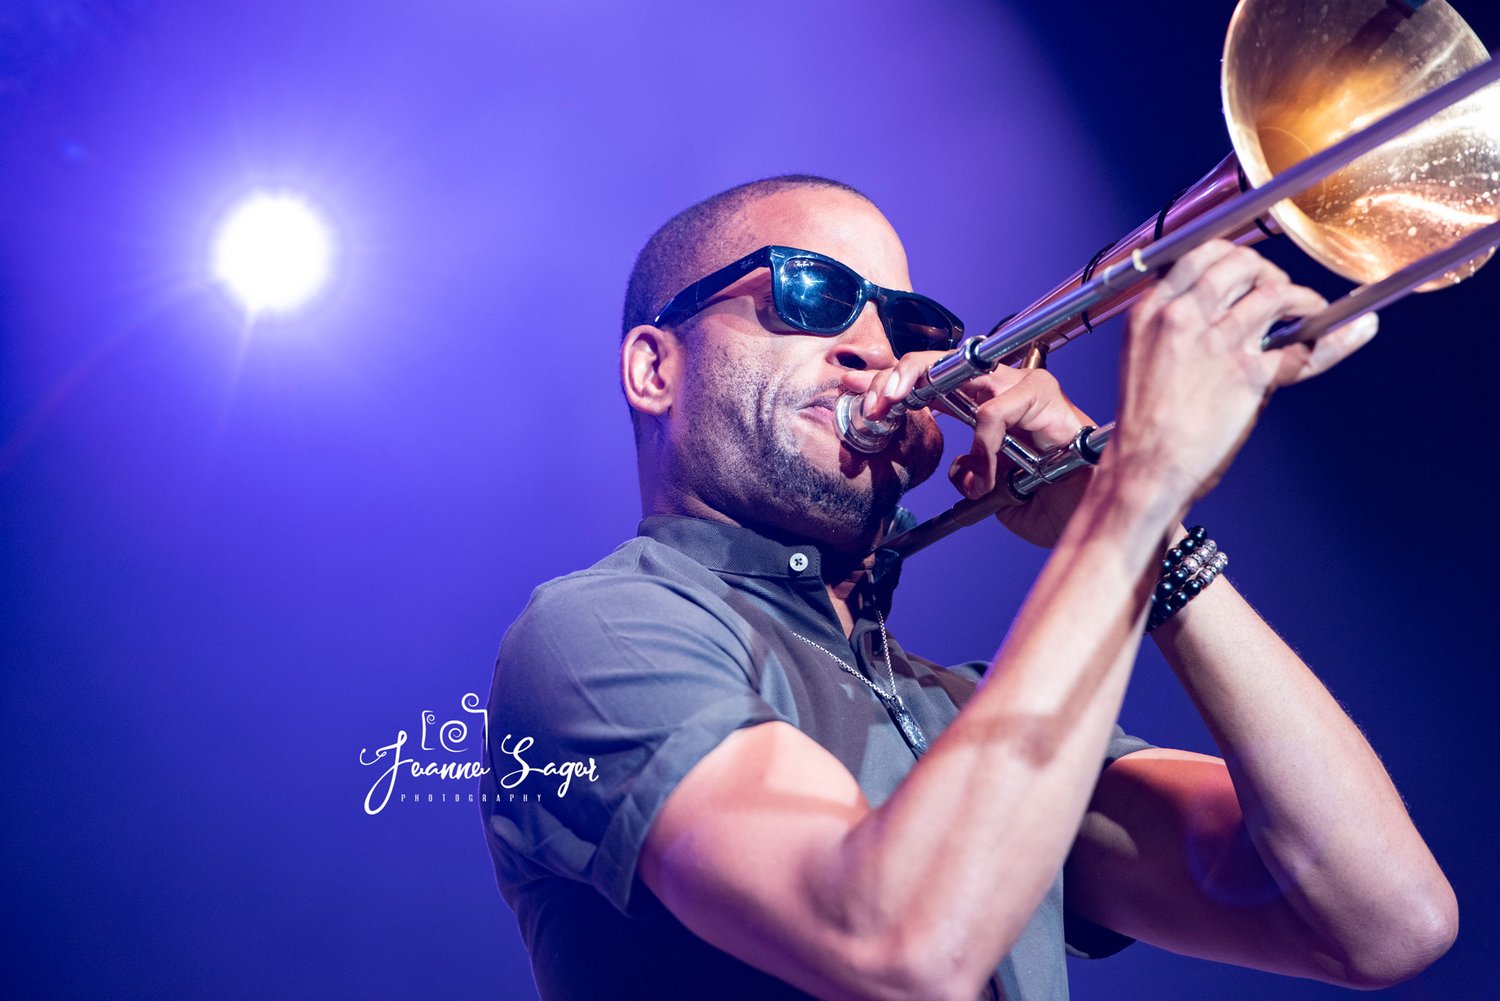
(905, 967)
(940, 982)
(918, 981)
(1426, 932)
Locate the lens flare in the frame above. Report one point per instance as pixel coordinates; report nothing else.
(273, 253)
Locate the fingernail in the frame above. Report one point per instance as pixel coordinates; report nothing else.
(1357, 333)
(894, 390)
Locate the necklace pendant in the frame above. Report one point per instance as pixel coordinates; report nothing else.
(911, 732)
(908, 724)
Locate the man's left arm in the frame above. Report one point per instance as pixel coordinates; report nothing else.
(1297, 856)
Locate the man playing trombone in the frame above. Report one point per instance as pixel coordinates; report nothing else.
(781, 801)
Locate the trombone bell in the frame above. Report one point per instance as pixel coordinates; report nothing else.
(1300, 76)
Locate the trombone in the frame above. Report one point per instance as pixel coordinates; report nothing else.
(1361, 129)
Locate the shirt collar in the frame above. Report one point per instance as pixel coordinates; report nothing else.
(743, 552)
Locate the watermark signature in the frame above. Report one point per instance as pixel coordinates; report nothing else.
(567, 770)
(454, 752)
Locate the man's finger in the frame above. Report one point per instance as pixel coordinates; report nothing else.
(1336, 345)
(1230, 278)
(1243, 326)
(1190, 267)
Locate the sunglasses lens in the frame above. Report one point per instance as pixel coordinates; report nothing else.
(915, 325)
(817, 296)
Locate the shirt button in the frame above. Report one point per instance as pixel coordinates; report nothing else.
(798, 562)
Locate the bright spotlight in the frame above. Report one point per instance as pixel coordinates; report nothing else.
(272, 253)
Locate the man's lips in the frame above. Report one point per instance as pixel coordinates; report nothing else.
(823, 404)
(826, 401)
(820, 409)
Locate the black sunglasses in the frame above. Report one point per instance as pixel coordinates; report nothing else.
(814, 294)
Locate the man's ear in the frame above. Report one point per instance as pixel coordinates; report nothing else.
(651, 368)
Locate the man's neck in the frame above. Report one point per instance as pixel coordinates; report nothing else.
(845, 575)
(848, 586)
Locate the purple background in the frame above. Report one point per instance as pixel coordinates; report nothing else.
(234, 559)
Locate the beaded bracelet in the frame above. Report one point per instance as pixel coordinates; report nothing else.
(1187, 569)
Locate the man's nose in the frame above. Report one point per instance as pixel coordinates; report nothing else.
(864, 345)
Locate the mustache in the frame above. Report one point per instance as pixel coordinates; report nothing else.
(824, 395)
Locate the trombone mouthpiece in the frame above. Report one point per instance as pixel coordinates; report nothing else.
(859, 432)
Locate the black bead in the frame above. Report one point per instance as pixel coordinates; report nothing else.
(1180, 598)
(1188, 545)
(1192, 587)
(1167, 565)
(1175, 554)
(1180, 575)
(1198, 532)
(1165, 587)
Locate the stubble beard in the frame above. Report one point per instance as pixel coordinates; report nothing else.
(761, 478)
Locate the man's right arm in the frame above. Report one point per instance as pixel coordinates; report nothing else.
(768, 850)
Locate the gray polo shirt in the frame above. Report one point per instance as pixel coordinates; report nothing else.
(615, 681)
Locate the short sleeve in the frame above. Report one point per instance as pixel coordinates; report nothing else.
(1084, 938)
(621, 684)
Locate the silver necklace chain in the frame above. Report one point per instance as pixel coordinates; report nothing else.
(890, 672)
(891, 700)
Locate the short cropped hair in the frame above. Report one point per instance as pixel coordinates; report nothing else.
(695, 242)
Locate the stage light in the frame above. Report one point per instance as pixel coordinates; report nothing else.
(273, 253)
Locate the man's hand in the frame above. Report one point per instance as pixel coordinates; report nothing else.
(1027, 404)
(1194, 377)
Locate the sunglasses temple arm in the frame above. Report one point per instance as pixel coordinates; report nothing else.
(701, 291)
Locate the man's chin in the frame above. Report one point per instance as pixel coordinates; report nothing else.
(906, 463)
(845, 514)
(863, 512)
(846, 503)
